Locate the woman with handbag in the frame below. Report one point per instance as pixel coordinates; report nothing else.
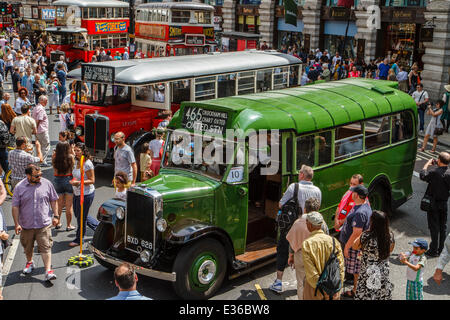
(434, 128)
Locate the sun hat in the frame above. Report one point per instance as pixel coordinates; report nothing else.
(315, 218)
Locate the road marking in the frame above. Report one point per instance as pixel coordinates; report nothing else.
(10, 259)
(260, 292)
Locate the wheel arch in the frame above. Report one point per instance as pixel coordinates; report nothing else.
(190, 234)
(383, 181)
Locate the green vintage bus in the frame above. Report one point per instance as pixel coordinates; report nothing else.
(194, 225)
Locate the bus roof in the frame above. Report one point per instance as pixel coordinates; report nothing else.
(66, 29)
(92, 3)
(176, 5)
(147, 71)
(309, 108)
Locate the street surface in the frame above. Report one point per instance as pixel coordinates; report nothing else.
(96, 282)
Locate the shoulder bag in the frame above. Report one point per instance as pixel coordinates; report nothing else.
(425, 203)
(423, 105)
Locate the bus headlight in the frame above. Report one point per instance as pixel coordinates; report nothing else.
(161, 225)
(79, 131)
(120, 213)
(145, 256)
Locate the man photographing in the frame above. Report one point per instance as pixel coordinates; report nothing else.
(438, 189)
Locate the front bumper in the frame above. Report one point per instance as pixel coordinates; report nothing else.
(172, 277)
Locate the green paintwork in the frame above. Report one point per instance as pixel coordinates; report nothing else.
(193, 271)
(308, 108)
(293, 111)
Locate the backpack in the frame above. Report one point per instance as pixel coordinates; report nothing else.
(288, 213)
(330, 279)
(4, 135)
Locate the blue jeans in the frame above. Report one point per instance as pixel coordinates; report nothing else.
(91, 222)
(4, 159)
(10, 69)
(62, 94)
(421, 118)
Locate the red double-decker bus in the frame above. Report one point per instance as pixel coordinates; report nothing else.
(82, 26)
(174, 29)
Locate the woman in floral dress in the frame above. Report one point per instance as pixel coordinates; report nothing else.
(376, 245)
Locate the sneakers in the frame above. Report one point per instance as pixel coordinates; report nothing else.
(431, 254)
(276, 286)
(29, 267)
(50, 276)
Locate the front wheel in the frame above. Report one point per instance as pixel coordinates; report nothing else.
(200, 269)
(103, 239)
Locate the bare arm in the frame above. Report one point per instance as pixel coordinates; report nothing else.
(356, 233)
(2, 192)
(15, 214)
(134, 167)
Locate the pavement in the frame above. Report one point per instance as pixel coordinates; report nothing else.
(443, 139)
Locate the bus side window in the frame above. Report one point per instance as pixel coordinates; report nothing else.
(377, 133)
(181, 91)
(264, 80)
(305, 151)
(402, 126)
(323, 140)
(348, 141)
(226, 85)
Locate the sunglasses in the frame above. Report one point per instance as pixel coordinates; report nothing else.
(37, 175)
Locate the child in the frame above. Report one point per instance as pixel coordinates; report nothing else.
(65, 118)
(121, 184)
(416, 262)
(145, 161)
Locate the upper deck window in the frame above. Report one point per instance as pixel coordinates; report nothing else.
(102, 13)
(181, 16)
(93, 13)
(203, 17)
(118, 13)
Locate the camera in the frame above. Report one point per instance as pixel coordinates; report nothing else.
(434, 162)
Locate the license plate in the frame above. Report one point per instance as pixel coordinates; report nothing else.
(98, 160)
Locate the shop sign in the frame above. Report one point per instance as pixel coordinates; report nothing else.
(403, 15)
(248, 11)
(151, 31)
(115, 26)
(35, 13)
(27, 12)
(338, 13)
(48, 14)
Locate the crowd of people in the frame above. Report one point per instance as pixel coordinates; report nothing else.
(361, 241)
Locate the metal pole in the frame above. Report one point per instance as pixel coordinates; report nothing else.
(131, 29)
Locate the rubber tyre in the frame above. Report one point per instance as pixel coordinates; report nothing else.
(187, 264)
(379, 199)
(8, 186)
(103, 240)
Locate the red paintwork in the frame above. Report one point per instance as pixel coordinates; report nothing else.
(125, 117)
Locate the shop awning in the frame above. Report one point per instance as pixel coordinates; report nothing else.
(337, 28)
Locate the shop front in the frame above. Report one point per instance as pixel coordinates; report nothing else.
(288, 35)
(339, 30)
(400, 35)
(247, 16)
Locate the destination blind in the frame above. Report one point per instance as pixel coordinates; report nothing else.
(97, 73)
(208, 121)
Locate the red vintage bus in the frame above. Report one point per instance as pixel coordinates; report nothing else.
(81, 26)
(130, 95)
(174, 29)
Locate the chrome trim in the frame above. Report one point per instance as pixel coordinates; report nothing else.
(157, 204)
(172, 277)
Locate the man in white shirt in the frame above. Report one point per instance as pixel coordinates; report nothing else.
(126, 55)
(16, 43)
(336, 58)
(421, 97)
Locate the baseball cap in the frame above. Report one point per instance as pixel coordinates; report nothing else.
(360, 190)
(315, 218)
(421, 243)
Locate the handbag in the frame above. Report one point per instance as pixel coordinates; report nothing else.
(425, 203)
(438, 131)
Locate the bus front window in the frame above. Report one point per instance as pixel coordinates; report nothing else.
(102, 94)
(212, 160)
(61, 39)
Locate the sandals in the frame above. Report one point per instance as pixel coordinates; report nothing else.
(70, 228)
(73, 244)
(349, 294)
(58, 226)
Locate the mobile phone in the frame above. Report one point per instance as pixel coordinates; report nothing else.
(434, 162)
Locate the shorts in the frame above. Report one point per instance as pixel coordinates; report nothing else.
(414, 290)
(62, 185)
(53, 100)
(42, 236)
(353, 263)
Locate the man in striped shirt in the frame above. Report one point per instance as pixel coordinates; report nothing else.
(306, 190)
